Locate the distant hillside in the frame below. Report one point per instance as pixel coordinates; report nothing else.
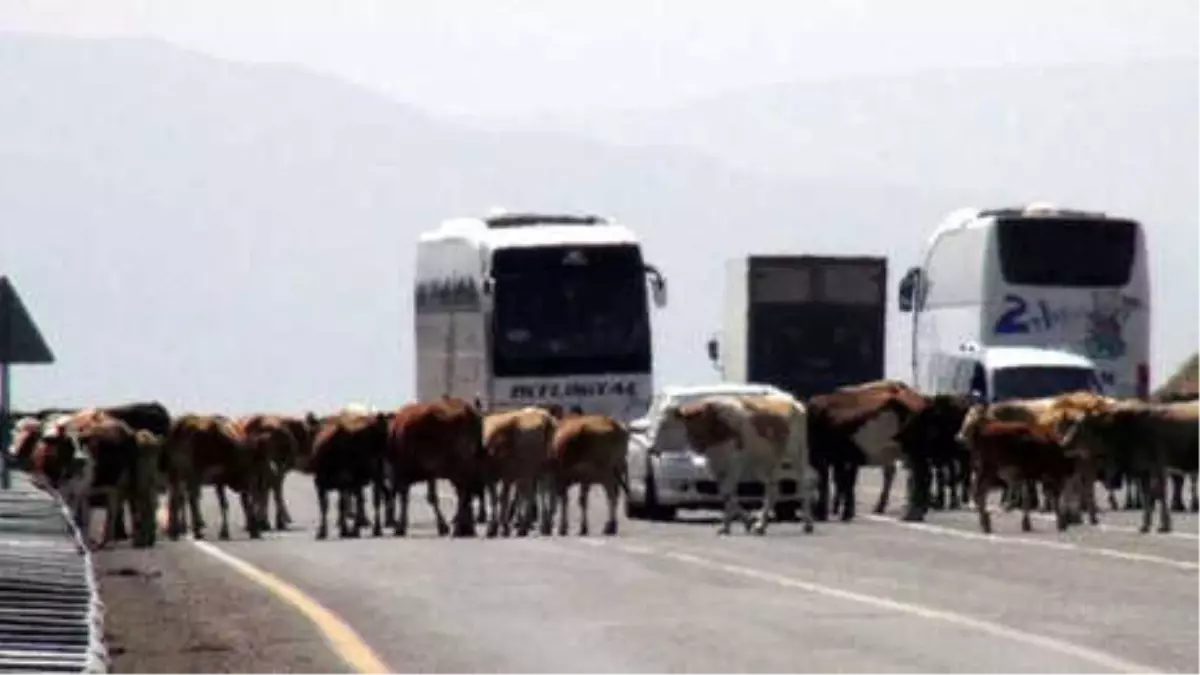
(231, 237)
(1185, 383)
(1115, 137)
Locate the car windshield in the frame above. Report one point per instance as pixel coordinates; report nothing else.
(1040, 381)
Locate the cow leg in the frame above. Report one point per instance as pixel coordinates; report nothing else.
(982, 478)
(770, 496)
(940, 482)
(733, 507)
(584, 488)
(1177, 493)
(431, 497)
(400, 526)
(120, 532)
(323, 508)
(821, 509)
(175, 502)
(282, 518)
(917, 487)
(1055, 493)
(965, 473)
(561, 501)
(523, 507)
(251, 498)
(494, 492)
(497, 494)
(953, 478)
(377, 497)
(343, 507)
(481, 513)
(849, 482)
(198, 523)
(1164, 513)
(547, 487)
(889, 475)
(223, 504)
(1028, 496)
(1194, 504)
(464, 518)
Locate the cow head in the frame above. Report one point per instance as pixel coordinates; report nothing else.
(972, 422)
(934, 428)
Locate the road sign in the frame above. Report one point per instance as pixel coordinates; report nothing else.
(20, 339)
(20, 342)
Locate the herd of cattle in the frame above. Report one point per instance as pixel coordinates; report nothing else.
(519, 464)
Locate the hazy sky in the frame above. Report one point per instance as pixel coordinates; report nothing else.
(492, 56)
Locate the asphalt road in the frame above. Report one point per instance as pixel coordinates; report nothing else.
(873, 595)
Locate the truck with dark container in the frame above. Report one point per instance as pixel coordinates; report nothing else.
(807, 324)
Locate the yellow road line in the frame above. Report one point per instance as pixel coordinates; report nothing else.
(346, 643)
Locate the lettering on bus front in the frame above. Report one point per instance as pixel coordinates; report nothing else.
(552, 390)
(1103, 321)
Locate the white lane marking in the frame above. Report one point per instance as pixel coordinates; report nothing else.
(1043, 543)
(1127, 530)
(1095, 657)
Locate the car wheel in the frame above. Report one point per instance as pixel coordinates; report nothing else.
(654, 510)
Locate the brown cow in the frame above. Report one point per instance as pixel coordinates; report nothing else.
(115, 463)
(441, 439)
(586, 449)
(212, 450)
(854, 426)
(1020, 453)
(517, 447)
(348, 454)
(1142, 441)
(273, 435)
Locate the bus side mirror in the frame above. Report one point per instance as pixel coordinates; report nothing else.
(714, 351)
(489, 286)
(909, 289)
(658, 286)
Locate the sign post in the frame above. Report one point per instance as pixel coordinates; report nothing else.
(20, 343)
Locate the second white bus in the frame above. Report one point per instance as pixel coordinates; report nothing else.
(1029, 302)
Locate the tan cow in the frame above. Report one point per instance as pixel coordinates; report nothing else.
(749, 436)
(1047, 412)
(586, 450)
(517, 448)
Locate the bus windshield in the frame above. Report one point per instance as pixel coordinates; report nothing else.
(1067, 252)
(570, 310)
(1040, 381)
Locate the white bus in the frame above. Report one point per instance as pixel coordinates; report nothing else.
(516, 309)
(1029, 302)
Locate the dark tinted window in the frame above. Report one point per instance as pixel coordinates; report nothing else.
(1065, 252)
(1039, 382)
(570, 310)
(812, 349)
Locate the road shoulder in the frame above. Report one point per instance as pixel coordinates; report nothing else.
(171, 609)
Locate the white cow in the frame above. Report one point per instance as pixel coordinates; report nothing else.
(749, 437)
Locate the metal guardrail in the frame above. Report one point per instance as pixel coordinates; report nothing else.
(51, 615)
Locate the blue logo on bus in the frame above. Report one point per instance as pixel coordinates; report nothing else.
(1104, 321)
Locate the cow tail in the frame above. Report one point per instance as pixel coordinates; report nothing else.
(623, 478)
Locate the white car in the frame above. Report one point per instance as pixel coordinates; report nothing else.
(666, 475)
